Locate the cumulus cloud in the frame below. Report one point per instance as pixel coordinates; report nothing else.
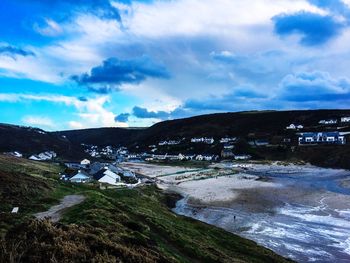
(314, 86)
(13, 51)
(315, 29)
(113, 72)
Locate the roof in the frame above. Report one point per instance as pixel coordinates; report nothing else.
(101, 173)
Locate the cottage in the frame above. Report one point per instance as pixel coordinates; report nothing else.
(199, 157)
(80, 177)
(107, 176)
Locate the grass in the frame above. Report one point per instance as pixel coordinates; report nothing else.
(126, 225)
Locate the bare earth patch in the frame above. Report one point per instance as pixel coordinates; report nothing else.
(55, 212)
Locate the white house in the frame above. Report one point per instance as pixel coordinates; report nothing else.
(227, 139)
(345, 119)
(80, 177)
(199, 157)
(242, 157)
(295, 127)
(85, 162)
(107, 176)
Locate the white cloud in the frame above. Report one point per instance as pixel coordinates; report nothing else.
(39, 121)
(91, 113)
(51, 28)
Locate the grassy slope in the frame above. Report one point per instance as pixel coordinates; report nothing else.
(110, 226)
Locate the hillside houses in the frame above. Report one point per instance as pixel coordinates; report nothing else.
(203, 140)
(321, 138)
(170, 142)
(328, 122)
(107, 176)
(345, 119)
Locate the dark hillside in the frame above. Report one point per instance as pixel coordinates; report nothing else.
(28, 140)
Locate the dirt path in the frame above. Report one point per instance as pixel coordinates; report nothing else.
(55, 212)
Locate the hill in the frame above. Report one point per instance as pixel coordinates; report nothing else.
(28, 140)
(130, 225)
(247, 126)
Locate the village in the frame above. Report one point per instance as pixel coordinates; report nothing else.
(107, 165)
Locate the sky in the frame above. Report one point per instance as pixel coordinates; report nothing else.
(73, 64)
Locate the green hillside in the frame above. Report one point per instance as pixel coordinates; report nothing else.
(109, 226)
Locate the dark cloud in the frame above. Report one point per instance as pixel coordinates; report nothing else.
(314, 86)
(315, 29)
(12, 51)
(113, 72)
(143, 113)
(123, 117)
(83, 99)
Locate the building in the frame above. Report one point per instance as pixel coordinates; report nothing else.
(328, 122)
(242, 157)
(107, 176)
(85, 162)
(226, 153)
(228, 139)
(203, 140)
(345, 119)
(321, 138)
(79, 177)
(295, 127)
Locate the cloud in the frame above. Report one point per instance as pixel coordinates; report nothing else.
(48, 28)
(143, 113)
(123, 117)
(114, 72)
(12, 51)
(314, 86)
(315, 29)
(39, 121)
(336, 6)
(91, 112)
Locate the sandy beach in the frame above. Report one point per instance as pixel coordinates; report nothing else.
(299, 211)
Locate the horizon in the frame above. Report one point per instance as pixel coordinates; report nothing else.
(183, 118)
(114, 63)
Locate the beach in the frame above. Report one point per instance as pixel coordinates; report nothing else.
(299, 211)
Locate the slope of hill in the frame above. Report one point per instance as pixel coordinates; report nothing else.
(28, 140)
(131, 225)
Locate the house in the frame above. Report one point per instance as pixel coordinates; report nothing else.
(79, 177)
(242, 157)
(295, 127)
(15, 210)
(15, 154)
(226, 153)
(328, 122)
(321, 138)
(345, 119)
(199, 157)
(228, 146)
(107, 176)
(228, 139)
(85, 162)
(261, 142)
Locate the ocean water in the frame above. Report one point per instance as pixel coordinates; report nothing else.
(295, 229)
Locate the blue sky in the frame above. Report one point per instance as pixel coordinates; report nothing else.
(69, 64)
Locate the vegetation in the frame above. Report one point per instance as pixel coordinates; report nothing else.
(128, 225)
